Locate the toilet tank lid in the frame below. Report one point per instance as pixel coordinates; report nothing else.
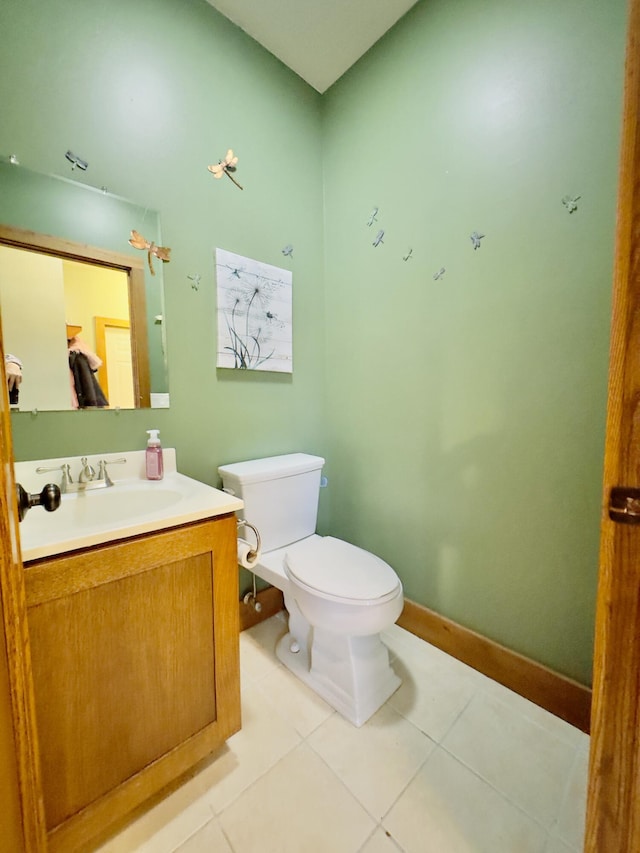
(271, 467)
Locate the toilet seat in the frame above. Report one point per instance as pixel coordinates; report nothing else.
(336, 570)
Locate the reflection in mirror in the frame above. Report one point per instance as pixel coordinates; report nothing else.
(65, 261)
(82, 343)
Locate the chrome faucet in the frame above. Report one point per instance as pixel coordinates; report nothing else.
(87, 472)
(87, 479)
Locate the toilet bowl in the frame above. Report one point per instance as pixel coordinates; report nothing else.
(338, 597)
(342, 588)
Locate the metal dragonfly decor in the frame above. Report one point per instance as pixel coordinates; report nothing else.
(226, 167)
(571, 202)
(161, 252)
(379, 237)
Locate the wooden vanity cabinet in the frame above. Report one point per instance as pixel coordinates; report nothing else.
(134, 647)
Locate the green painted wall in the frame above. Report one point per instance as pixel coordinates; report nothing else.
(150, 94)
(462, 420)
(466, 415)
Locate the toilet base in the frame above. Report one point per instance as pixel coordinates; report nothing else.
(352, 674)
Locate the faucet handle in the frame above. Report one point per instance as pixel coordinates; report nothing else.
(41, 470)
(103, 474)
(66, 473)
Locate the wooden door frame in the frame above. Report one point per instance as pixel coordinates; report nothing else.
(19, 707)
(613, 808)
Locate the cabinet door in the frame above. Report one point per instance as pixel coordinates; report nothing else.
(135, 670)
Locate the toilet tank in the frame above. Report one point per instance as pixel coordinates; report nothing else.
(280, 495)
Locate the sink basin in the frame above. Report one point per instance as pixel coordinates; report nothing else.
(128, 508)
(116, 505)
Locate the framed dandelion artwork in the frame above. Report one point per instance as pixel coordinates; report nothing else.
(254, 314)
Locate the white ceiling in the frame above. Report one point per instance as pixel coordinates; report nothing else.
(318, 39)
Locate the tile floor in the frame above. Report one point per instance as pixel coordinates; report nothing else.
(453, 763)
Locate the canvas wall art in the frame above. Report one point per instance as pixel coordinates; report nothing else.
(254, 314)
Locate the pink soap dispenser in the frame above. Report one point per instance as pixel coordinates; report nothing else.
(153, 456)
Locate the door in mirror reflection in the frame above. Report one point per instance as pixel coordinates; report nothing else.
(113, 347)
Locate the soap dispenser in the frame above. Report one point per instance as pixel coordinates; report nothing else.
(153, 457)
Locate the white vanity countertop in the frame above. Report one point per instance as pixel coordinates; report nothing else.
(133, 505)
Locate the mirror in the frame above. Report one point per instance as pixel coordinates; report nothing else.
(70, 282)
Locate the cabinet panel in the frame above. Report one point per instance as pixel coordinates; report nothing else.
(136, 673)
(128, 673)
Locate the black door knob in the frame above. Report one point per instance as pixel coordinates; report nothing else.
(49, 498)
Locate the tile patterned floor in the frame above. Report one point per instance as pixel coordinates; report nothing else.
(453, 763)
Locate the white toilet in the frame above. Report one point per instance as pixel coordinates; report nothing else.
(339, 597)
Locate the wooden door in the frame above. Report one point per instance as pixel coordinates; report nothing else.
(613, 811)
(113, 348)
(21, 810)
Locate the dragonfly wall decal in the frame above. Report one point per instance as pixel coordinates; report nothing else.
(226, 167)
(76, 161)
(475, 239)
(379, 237)
(161, 252)
(571, 203)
